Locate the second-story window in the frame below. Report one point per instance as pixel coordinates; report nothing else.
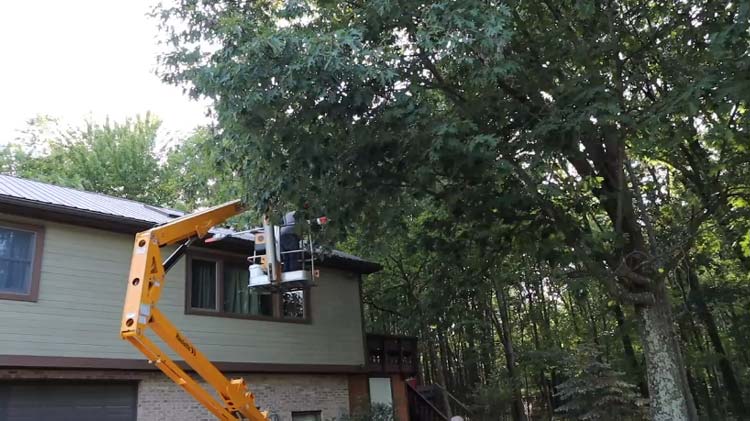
(203, 289)
(293, 304)
(238, 298)
(20, 261)
(217, 285)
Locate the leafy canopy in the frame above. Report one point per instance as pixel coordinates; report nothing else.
(113, 158)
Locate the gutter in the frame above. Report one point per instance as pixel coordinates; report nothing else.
(66, 214)
(121, 224)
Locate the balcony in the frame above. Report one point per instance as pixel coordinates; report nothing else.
(388, 354)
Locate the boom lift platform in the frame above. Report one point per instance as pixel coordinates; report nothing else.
(145, 283)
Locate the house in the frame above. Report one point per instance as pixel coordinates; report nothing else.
(64, 259)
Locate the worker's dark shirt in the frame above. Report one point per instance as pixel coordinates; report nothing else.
(289, 240)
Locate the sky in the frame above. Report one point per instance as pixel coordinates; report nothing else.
(85, 59)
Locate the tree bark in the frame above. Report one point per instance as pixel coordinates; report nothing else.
(445, 361)
(586, 304)
(696, 382)
(440, 379)
(627, 346)
(669, 392)
(503, 327)
(727, 372)
(741, 339)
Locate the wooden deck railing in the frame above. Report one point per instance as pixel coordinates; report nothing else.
(388, 354)
(420, 408)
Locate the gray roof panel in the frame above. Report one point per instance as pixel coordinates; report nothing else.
(124, 209)
(92, 202)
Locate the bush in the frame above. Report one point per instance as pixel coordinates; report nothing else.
(594, 391)
(376, 412)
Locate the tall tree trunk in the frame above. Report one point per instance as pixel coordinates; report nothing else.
(669, 392)
(489, 354)
(742, 340)
(734, 391)
(571, 308)
(442, 373)
(698, 385)
(474, 348)
(445, 358)
(503, 327)
(586, 303)
(434, 369)
(627, 346)
(534, 313)
(423, 374)
(717, 401)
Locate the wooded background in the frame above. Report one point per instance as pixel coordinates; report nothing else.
(558, 190)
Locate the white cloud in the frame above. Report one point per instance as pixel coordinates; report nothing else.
(80, 59)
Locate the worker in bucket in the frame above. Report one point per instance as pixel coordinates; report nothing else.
(289, 240)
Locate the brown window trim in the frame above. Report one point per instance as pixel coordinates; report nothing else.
(36, 264)
(317, 413)
(220, 258)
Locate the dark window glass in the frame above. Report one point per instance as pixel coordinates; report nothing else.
(221, 285)
(203, 284)
(240, 299)
(306, 416)
(16, 260)
(293, 304)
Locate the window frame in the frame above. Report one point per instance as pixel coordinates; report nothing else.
(218, 264)
(220, 258)
(317, 414)
(36, 261)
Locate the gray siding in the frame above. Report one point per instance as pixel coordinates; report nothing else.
(81, 294)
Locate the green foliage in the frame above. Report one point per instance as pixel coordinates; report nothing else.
(746, 244)
(595, 391)
(375, 412)
(525, 169)
(196, 175)
(491, 400)
(124, 160)
(118, 159)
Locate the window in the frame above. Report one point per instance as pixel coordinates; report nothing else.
(217, 286)
(380, 391)
(20, 261)
(293, 304)
(306, 416)
(238, 298)
(203, 291)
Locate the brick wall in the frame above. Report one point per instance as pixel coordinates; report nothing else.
(160, 399)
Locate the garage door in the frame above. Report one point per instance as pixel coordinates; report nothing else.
(32, 401)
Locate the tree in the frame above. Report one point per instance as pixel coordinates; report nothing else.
(118, 159)
(567, 122)
(195, 172)
(595, 391)
(124, 160)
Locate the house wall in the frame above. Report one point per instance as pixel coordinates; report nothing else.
(160, 399)
(279, 394)
(81, 293)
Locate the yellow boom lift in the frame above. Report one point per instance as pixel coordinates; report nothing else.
(145, 283)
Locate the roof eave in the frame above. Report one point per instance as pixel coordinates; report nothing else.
(91, 219)
(65, 214)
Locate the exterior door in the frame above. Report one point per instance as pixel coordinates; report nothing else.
(68, 401)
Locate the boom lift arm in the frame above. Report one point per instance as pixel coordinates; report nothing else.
(147, 276)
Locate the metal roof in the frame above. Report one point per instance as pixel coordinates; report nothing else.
(35, 193)
(87, 201)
